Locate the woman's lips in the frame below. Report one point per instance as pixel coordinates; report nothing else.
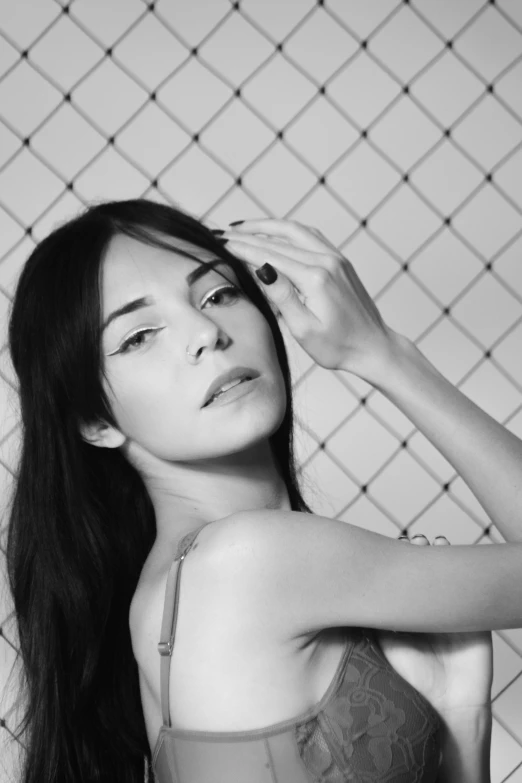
(232, 394)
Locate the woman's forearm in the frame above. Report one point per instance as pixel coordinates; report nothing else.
(482, 451)
(466, 748)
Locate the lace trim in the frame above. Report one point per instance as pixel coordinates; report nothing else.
(378, 728)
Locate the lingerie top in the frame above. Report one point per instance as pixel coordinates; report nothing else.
(371, 725)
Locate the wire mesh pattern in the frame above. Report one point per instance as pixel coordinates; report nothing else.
(394, 127)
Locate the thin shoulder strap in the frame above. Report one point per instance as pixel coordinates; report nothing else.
(170, 615)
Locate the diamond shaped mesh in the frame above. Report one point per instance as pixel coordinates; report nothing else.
(394, 127)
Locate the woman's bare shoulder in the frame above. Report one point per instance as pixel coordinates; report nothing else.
(146, 609)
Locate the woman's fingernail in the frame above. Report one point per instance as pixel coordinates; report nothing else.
(419, 535)
(236, 223)
(267, 274)
(217, 231)
(403, 538)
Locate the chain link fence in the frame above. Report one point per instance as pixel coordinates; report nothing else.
(394, 127)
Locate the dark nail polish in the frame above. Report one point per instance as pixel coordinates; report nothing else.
(267, 274)
(217, 231)
(236, 223)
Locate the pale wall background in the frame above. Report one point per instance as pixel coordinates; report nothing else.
(258, 108)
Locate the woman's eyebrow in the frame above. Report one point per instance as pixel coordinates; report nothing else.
(145, 301)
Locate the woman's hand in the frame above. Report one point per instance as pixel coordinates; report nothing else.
(453, 671)
(318, 293)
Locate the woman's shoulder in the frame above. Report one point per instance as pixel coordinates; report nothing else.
(202, 546)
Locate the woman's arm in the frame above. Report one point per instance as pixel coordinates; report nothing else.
(466, 747)
(482, 451)
(303, 573)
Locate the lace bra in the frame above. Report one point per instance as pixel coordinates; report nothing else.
(371, 726)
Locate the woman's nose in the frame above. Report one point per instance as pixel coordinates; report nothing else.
(210, 339)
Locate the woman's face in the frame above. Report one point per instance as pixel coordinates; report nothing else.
(156, 390)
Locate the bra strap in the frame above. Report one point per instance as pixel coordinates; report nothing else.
(168, 625)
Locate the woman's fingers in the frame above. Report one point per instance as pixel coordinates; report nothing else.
(306, 237)
(256, 254)
(293, 282)
(421, 540)
(273, 245)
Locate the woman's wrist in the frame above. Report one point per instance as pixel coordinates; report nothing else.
(375, 368)
(382, 368)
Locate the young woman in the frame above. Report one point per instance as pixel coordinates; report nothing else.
(156, 510)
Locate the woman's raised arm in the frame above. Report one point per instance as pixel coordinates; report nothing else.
(482, 451)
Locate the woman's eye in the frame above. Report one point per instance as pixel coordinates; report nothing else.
(229, 289)
(133, 341)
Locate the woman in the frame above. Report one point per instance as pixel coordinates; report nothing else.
(136, 468)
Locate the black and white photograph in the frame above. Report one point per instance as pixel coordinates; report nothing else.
(260, 391)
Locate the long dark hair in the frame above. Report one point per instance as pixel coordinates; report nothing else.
(81, 522)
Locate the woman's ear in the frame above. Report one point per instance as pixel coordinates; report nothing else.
(102, 435)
